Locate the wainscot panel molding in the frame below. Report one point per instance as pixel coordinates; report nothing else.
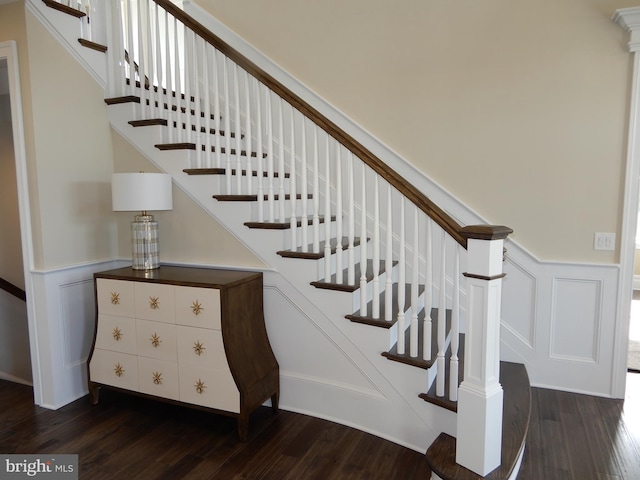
(62, 331)
(570, 313)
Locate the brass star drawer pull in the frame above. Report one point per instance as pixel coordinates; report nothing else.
(115, 298)
(154, 303)
(198, 348)
(200, 386)
(117, 334)
(155, 340)
(157, 378)
(196, 307)
(119, 370)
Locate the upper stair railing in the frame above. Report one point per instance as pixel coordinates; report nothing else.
(404, 253)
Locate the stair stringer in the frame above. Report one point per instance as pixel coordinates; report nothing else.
(389, 405)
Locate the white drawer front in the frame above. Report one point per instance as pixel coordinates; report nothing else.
(157, 377)
(114, 368)
(198, 307)
(155, 302)
(209, 388)
(116, 333)
(156, 340)
(201, 347)
(115, 297)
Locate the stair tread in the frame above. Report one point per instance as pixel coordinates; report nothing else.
(163, 122)
(515, 425)
(344, 286)
(381, 322)
(222, 170)
(281, 225)
(92, 45)
(418, 361)
(252, 198)
(192, 146)
(310, 255)
(64, 8)
(444, 401)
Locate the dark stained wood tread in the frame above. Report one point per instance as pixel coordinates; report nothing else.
(192, 146)
(431, 396)
(253, 198)
(419, 360)
(222, 171)
(515, 426)
(367, 317)
(310, 255)
(282, 225)
(92, 45)
(136, 99)
(149, 122)
(64, 8)
(123, 99)
(344, 286)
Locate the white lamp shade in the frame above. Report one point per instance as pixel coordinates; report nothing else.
(141, 192)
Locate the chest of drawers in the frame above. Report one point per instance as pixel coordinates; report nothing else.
(190, 335)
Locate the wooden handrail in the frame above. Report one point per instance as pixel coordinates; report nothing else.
(412, 193)
(12, 289)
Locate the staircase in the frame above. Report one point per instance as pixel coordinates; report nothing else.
(352, 235)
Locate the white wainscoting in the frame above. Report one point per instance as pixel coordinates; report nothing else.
(559, 320)
(62, 331)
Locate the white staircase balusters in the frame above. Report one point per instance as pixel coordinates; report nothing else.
(304, 218)
(442, 319)
(327, 211)
(415, 279)
(198, 121)
(228, 125)
(207, 81)
(168, 76)
(455, 329)
(247, 133)
(270, 155)
(363, 242)
(316, 192)
(281, 189)
(259, 150)
(238, 128)
(351, 223)
(428, 293)
(401, 282)
(293, 221)
(388, 261)
(217, 124)
(179, 69)
(339, 216)
(375, 254)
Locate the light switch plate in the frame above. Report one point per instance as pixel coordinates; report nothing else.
(604, 241)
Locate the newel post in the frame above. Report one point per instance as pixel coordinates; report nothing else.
(479, 435)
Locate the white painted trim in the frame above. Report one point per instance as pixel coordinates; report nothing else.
(9, 51)
(62, 27)
(13, 378)
(629, 19)
(636, 282)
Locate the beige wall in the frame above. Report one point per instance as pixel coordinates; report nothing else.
(73, 166)
(187, 233)
(528, 98)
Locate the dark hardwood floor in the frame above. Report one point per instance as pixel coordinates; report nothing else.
(571, 437)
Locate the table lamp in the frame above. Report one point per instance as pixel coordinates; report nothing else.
(142, 192)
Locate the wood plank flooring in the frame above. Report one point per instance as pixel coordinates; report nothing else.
(571, 436)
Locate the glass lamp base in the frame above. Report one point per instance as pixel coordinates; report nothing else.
(144, 242)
